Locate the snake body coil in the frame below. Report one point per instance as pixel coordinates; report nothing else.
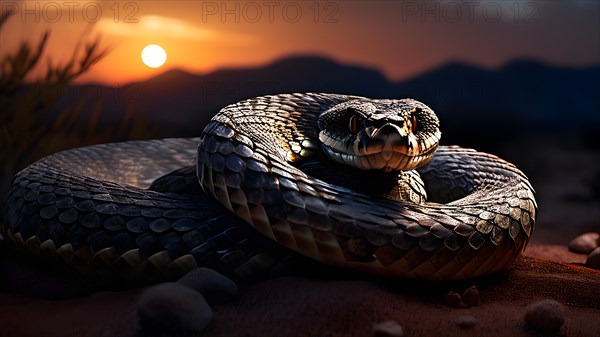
(478, 216)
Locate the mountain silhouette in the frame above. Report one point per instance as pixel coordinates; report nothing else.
(522, 94)
(184, 98)
(521, 97)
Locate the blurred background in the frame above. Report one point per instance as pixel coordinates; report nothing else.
(520, 79)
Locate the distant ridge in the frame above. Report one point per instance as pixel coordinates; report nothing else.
(300, 73)
(523, 95)
(172, 76)
(278, 67)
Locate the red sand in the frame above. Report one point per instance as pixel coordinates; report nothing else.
(293, 306)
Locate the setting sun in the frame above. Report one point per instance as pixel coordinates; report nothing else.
(154, 56)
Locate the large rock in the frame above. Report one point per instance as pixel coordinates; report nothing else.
(585, 243)
(172, 309)
(593, 260)
(545, 315)
(215, 287)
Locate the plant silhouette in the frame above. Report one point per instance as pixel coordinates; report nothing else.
(28, 129)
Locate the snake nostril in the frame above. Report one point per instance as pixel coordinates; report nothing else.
(389, 130)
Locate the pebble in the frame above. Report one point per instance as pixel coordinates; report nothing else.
(471, 296)
(593, 260)
(545, 315)
(454, 300)
(388, 329)
(215, 287)
(173, 309)
(465, 321)
(585, 243)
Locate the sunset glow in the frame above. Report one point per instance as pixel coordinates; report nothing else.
(154, 56)
(400, 39)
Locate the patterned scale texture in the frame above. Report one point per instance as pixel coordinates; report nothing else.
(136, 209)
(484, 224)
(73, 207)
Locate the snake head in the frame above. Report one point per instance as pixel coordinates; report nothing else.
(386, 135)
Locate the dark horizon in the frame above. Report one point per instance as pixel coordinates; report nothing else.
(449, 64)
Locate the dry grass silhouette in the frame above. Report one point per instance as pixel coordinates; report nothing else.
(27, 130)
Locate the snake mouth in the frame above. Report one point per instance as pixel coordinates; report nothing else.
(382, 153)
(385, 146)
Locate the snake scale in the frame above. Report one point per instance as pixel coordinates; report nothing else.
(135, 209)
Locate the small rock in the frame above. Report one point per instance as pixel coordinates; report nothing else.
(585, 243)
(215, 287)
(388, 329)
(545, 315)
(465, 321)
(471, 296)
(173, 309)
(454, 300)
(593, 260)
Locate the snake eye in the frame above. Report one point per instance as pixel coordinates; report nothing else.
(413, 119)
(354, 123)
(413, 123)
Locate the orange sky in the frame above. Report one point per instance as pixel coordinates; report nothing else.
(401, 39)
